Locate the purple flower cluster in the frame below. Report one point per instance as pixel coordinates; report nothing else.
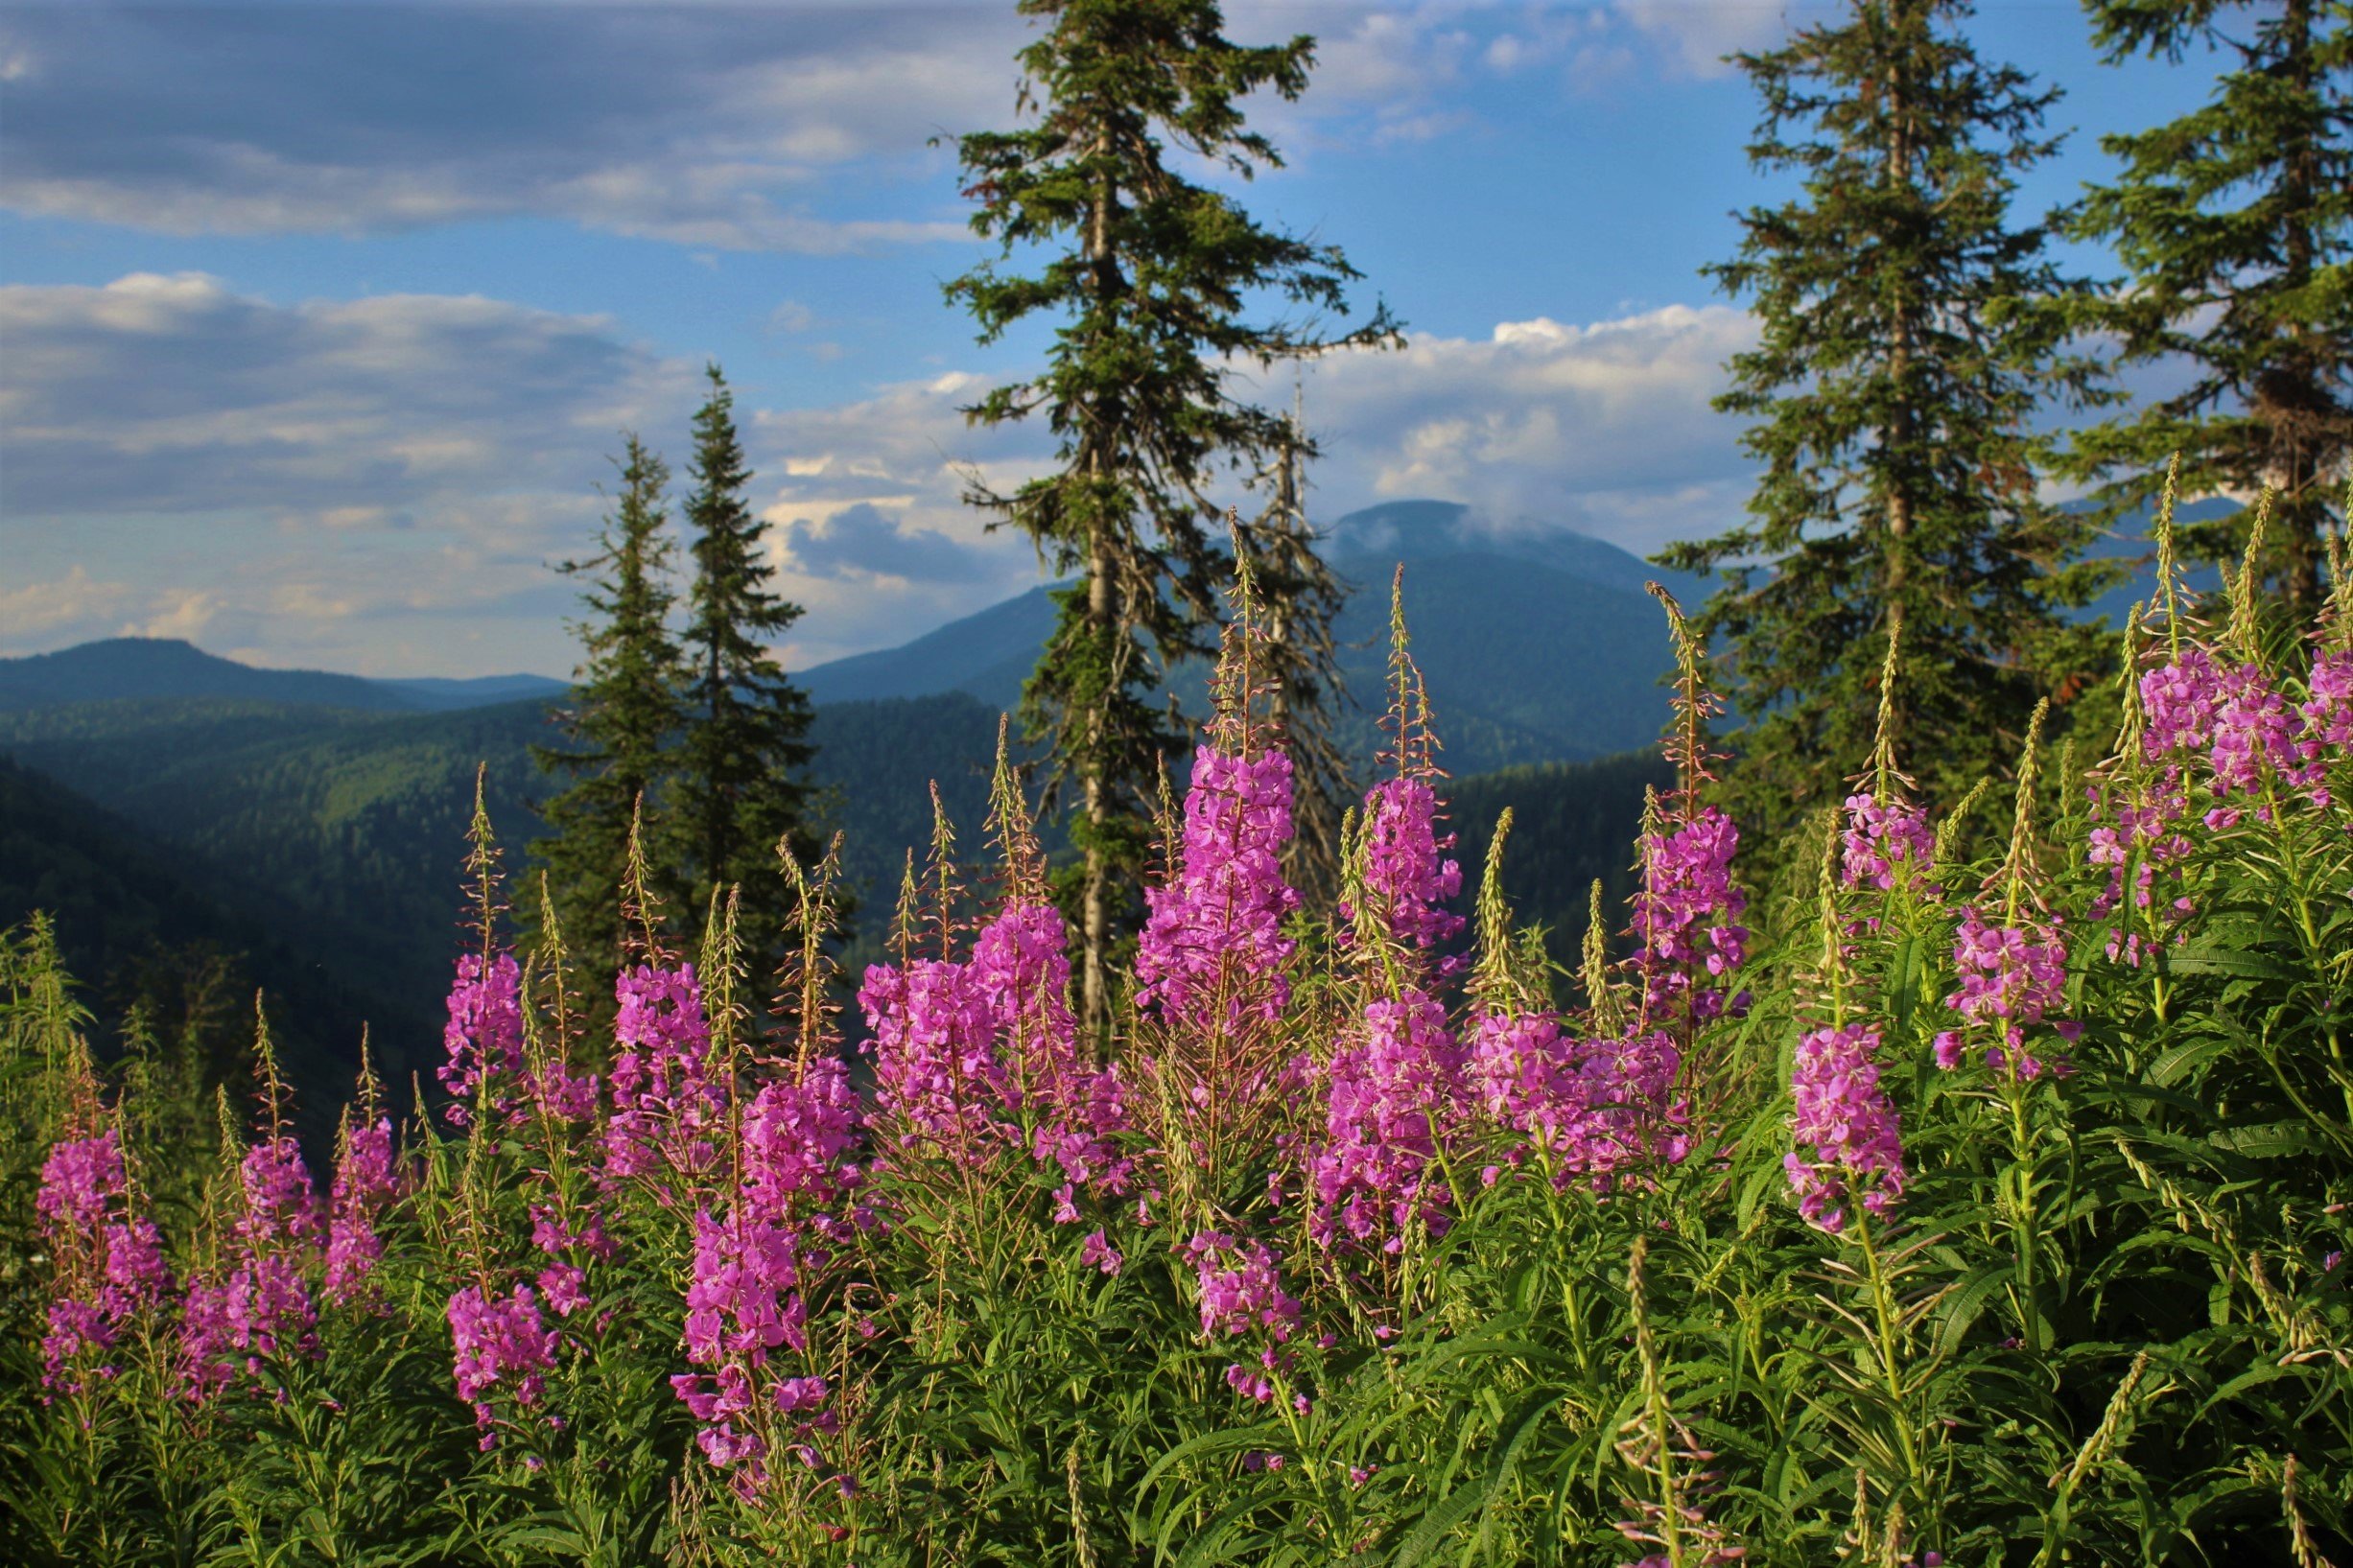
(797, 1135)
(1686, 918)
(2328, 713)
(2254, 730)
(669, 1108)
(1075, 1110)
(967, 1054)
(2244, 727)
(1394, 1094)
(1844, 1114)
(484, 1035)
(751, 1271)
(262, 1306)
(108, 1262)
(1595, 1107)
(1884, 843)
(563, 1283)
(1211, 952)
(1405, 872)
(500, 1343)
(366, 1181)
(2180, 699)
(2143, 844)
(1240, 1290)
(2012, 976)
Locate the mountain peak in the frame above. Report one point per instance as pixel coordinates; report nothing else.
(116, 668)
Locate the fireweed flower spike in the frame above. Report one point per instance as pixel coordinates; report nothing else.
(1212, 940)
(1405, 876)
(367, 1182)
(106, 1259)
(2012, 973)
(1844, 1117)
(1686, 915)
(754, 1266)
(261, 1306)
(1886, 842)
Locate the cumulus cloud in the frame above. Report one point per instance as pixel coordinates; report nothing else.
(384, 483)
(1604, 427)
(863, 541)
(720, 127)
(175, 394)
(304, 475)
(709, 127)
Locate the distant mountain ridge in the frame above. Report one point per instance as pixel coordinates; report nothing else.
(1539, 645)
(151, 668)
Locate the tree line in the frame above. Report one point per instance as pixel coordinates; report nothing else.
(1927, 369)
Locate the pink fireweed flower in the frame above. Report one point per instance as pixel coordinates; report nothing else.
(484, 1035)
(1240, 1290)
(1844, 1114)
(2181, 700)
(797, 1137)
(1392, 1094)
(260, 1306)
(937, 1078)
(564, 1096)
(2254, 730)
(1405, 870)
(2328, 715)
(1616, 1109)
(744, 1298)
(1075, 1110)
(269, 1301)
(108, 1263)
(973, 1058)
(2011, 977)
(1212, 949)
(501, 1346)
(366, 1181)
(670, 1109)
(1098, 1252)
(1884, 843)
(1516, 1067)
(1686, 917)
(1595, 1107)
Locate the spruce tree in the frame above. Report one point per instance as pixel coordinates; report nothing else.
(623, 717)
(1906, 336)
(742, 790)
(1150, 272)
(2235, 225)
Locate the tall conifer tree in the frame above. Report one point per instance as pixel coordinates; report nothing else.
(2235, 223)
(742, 789)
(624, 717)
(1906, 340)
(1150, 271)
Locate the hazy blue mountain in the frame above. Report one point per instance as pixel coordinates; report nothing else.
(1538, 644)
(437, 694)
(987, 654)
(150, 667)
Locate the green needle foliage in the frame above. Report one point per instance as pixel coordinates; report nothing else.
(624, 717)
(1901, 360)
(1152, 273)
(742, 765)
(2235, 226)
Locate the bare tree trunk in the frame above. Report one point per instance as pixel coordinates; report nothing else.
(1094, 912)
(2297, 451)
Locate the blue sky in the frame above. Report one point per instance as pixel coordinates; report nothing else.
(317, 320)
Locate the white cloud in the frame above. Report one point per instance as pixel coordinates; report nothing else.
(39, 611)
(1604, 427)
(383, 485)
